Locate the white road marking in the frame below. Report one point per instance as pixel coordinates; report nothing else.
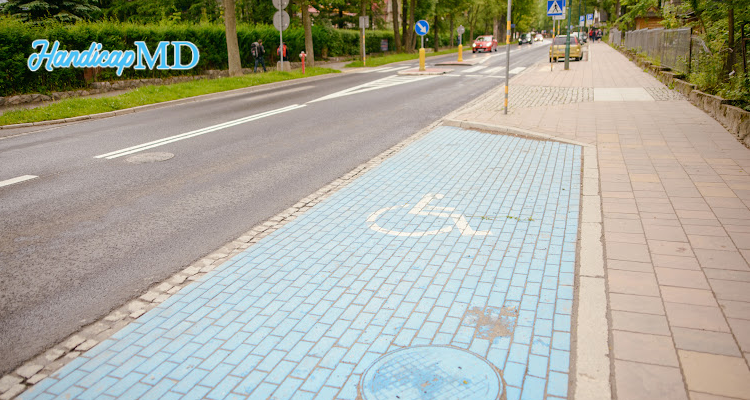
(391, 69)
(517, 70)
(451, 75)
(198, 132)
(374, 85)
(9, 182)
(484, 60)
(368, 71)
(475, 69)
(493, 70)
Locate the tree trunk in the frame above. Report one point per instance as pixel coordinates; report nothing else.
(404, 32)
(436, 45)
(396, 36)
(730, 22)
(471, 24)
(307, 23)
(450, 19)
(618, 9)
(494, 28)
(412, 34)
(233, 48)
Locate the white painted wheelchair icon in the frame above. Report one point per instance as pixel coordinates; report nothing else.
(421, 208)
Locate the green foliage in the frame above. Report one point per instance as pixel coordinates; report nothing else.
(69, 108)
(16, 38)
(61, 10)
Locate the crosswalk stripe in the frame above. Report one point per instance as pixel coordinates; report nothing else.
(475, 69)
(517, 70)
(493, 70)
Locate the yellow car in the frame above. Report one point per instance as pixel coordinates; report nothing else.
(557, 49)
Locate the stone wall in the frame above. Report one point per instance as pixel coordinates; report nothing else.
(734, 119)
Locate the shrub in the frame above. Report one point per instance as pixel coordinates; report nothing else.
(16, 38)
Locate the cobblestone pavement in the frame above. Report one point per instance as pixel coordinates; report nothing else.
(464, 238)
(675, 198)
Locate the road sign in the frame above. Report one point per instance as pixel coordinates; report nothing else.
(280, 4)
(554, 8)
(460, 30)
(364, 22)
(281, 20)
(421, 27)
(559, 17)
(589, 18)
(580, 21)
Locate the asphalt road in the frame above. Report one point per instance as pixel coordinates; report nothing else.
(89, 234)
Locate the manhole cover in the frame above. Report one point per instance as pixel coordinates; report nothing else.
(431, 372)
(149, 157)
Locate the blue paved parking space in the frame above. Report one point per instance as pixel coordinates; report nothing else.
(463, 238)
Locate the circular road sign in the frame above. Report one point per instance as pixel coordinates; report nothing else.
(460, 30)
(421, 27)
(280, 4)
(281, 20)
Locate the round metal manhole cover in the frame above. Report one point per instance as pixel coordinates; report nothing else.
(431, 372)
(144, 158)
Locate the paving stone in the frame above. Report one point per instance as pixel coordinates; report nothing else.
(681, 278)
(735, 309)
(29, 369)
(639, 347)
(13, 392)
(642, 323)
(7, 382)
(683, 295)
(635, 303)
(638, 381)
(721, 260)
(716, 374)
(36, 379)
(705, 341)
(741, 331)
(731, 290)
(629, 282)
(54, 354)
(73, 341)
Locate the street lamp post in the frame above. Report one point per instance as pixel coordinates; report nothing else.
(507, 56)
(567, 42)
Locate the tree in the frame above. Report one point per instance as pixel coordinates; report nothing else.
(396, 37)
(307, 23)
(233, 48)
(61, 10)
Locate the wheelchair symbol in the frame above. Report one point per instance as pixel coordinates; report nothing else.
(421, 208)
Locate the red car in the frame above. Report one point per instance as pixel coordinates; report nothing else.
(485, 43)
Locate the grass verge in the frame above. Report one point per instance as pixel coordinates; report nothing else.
(377, 61)
(75, 107)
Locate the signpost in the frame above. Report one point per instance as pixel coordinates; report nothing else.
(580, 21)
(554, 8)
(363, 22)
(460, 31)
(281, 22)
(421, 28)
(507, 55)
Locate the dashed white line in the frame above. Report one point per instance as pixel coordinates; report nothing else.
(198, 132)
(9, 182)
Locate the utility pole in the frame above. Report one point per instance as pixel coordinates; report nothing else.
(579, 17)
(567, 41)
(507, 56)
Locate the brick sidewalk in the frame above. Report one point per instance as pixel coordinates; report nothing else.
(675, 193)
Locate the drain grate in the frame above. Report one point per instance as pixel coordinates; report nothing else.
(431, 372)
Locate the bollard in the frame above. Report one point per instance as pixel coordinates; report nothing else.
(302, 56)
(421, 59)
(460, 53)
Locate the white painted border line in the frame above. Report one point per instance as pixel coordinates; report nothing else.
(9, 182)
(198, 132)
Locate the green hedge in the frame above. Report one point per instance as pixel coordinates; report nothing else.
(16, 38)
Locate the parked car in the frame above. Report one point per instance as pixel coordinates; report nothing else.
(485, 43)
(539, 37)
(557, 48)
(583, 38)
(525, 38)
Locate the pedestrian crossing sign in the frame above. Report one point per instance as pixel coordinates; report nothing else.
(554, 8)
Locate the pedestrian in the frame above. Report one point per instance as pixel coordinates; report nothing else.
(258, 53)
(278, 52)
(599, 35)
(591, 34)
